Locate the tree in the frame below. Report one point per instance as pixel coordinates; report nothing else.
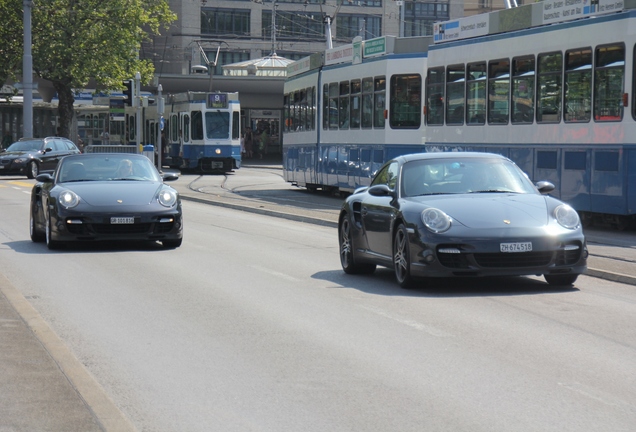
(75, 41)
(11, 39)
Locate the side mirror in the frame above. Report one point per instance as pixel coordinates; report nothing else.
(380, 190)
(44, 178)
(169, 177)
(544, 187)
(48, 149)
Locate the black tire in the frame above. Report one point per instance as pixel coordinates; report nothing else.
(51, 244)
(347, 256)
(561, 280)
(172, 244)
(32, 170)
(36, 234)
(402, 258)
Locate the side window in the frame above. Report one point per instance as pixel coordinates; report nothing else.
(549, 87)
(498, 91)
(435, 96)
(455, 90)
(609, 73)
(523, 90)
(379, 102)
(476, 94)
(387, 175)
(578, 85)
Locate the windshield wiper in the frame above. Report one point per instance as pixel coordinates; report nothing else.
(494, 191)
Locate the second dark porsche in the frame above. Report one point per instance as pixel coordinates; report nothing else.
(460, 214)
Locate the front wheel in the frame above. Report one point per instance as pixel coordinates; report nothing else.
(32, 170)
(347, 257)
(36, 234)
(402, 258)
(50, 243)
(561, 280)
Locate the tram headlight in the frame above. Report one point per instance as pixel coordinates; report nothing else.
(217, 151)
(566, 216)
(68, 199)
(167, 197)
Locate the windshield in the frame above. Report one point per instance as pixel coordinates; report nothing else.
(105, 167)
(217, 125)
(463, 175)
(26, 145)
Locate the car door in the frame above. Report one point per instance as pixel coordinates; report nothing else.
(378, 213)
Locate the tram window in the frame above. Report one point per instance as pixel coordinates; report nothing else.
(577, 105)
(405, 101)
(174, 128)
(333, 105)
(574, 160)
(379, 102)
(476, 94)
(286, 112)
(435, 97)
(354, 104)
(609, 81)
(547, 159)
(343, 107)
(378, 156)
(498, 91)
(217, 125)
(549, 87)
(523, 74)
(236, 125)
(367, 102)
(296, 110)
(606, 161)
(311, 108)
(196, 119)
(186, 128)
(365, 155)
(325, 106)
(455, 94)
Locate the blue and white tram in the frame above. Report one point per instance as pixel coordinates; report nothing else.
(203, 131)
(343, 120)
(553, 98)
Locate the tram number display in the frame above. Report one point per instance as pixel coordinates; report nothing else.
(217, 100)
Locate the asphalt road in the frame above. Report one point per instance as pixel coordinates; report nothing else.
(252, 326)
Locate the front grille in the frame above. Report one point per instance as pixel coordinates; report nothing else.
(118, 229)
(521, 259)
(453, 260)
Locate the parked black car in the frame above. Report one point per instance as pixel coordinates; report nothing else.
(31, 156)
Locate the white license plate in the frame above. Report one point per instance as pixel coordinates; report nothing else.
(515, 247)
(122, 220)
(216, 165)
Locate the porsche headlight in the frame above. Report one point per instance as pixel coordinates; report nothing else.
(566, 216)
(68, 199)
(436, 220)
(167, 197)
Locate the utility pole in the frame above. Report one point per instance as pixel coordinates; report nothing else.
(137, 102)
(27, 74)
(160, 111)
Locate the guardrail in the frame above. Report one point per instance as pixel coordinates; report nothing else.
(112, 149)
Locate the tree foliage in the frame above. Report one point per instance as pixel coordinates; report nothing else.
(11, 39)
(75, 41)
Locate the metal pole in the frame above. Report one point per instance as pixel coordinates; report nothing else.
(138, 111)
(160, 113)
(27, 74)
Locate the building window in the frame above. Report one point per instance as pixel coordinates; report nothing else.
(235, 22)
(350, 26)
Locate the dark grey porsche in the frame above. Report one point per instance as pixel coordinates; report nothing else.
(105, 196)
(460, 214)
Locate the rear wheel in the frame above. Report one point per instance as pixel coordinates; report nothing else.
(32, 170)
(561, 280)
(402, 258)
(347, 257)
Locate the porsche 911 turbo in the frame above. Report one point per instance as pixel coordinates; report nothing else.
(105, 197)
(459, 214)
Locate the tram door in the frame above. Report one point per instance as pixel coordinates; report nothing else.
(184, 132)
